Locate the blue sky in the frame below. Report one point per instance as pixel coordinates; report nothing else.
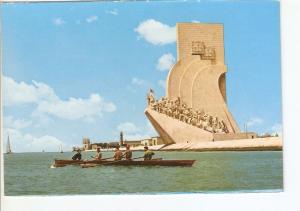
(74, 70)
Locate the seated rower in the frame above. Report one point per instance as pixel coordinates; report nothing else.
(77, 156)
(148, 153)
(128, 153)
(118, 154)
(98, 155)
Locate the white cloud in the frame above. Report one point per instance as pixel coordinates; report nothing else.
(28, 143)
(58, 21)
(112, 12)
(254, 121)
(11, 122)
(156, 32)
(19, 93)
(162, 83)
(277, 129)
(77, 108)
(165, 62)
(135, 136)
(91, 19)
(138, 81)
(48, 102)
(48, 143)
(132, 132)
(128, 127)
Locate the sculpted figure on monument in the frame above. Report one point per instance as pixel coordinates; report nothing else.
(181, 109)
(215, 124)
(178, 110)
(199, 124)
(169, 107)
(185, 113)
(189, 115)
(160, 105)
(173, 109)
(225, 129)
(219, 129)
(150, 97)
(205, 122)
(155, 105)
(210, 121)
(194, 119)
(177, 102)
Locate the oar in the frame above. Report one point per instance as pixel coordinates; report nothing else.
(86, 166)
(103, 158)
(121, 160)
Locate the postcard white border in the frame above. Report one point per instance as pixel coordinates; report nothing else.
(287, 200)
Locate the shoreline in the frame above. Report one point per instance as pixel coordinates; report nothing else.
(256, 144)
(245, 149)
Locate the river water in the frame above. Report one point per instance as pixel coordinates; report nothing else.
(30, 174)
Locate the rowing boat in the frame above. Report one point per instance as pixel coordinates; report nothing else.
(154, 162)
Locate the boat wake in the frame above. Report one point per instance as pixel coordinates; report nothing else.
(52, 166)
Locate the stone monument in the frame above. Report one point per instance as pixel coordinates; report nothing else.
(195, 106)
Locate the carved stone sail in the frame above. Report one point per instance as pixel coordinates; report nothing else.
(198, 80)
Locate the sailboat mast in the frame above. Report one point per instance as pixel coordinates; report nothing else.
(8, 149)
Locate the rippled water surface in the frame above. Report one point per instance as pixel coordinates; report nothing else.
(30, 174)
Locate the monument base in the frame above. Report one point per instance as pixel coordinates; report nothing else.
(175, 131)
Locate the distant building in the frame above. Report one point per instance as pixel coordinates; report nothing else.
(104, 145)
(113, 144)
(121, 139)
(86, 144)
(96, 145)
(153, 141)
(133, 143)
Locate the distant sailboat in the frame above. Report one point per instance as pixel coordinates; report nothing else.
(8, 148)
(61, 150)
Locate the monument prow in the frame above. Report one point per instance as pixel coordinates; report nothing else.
(175, 131)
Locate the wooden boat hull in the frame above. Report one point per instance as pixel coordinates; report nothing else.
(62, 163)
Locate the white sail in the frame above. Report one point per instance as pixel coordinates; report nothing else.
(8, 148)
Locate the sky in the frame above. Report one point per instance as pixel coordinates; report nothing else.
(74, 70)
